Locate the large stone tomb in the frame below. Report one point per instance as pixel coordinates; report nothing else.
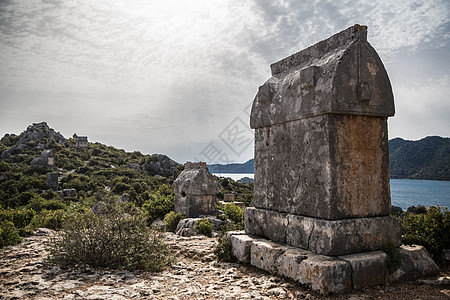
(322, 165)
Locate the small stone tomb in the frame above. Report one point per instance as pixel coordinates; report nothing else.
(228, 197)
(82, 142)
(195, 191)
(52, 180)
(322, 201)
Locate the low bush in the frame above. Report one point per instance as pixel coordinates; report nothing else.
(223, 250)
(117, 238)
(38, 203)
(394, 259)
(172, 219)
(430, 229)
(9, 234)
(51, 219)
(205, 227)
(158, 206)
(235, 214)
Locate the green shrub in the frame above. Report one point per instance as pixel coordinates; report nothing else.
(19, 217)
(394, 259)
(9, 235)
(223, 250)
(37, 203)
(205, 227)
(51, 219)
(430, 229)
(172, 219)
(235, 214)
(158, 206)
(117, 238)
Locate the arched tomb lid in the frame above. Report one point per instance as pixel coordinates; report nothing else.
(342, 75)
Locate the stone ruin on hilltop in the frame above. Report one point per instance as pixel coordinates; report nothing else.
(321, 205)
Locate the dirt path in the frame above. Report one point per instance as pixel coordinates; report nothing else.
(196, 275)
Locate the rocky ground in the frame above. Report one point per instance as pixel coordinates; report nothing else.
(196, 275)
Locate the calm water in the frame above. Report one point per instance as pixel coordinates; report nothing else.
(408, 192)
(404, 192)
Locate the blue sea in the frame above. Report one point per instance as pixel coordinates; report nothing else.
(404, 192)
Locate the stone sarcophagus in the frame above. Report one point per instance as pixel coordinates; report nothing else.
(195, 191)
(321, 205)
(321, 149)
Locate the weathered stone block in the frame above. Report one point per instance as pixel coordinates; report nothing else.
(340, 237)
(52, 179)
(327, 166)
(326, 237)
(416, 263)
(266, 223)
(340, 75)
(289, 261)
(228, 197)
(368, 268)
(241, 245)
(325, 274)
(321, 147)
(264, 255)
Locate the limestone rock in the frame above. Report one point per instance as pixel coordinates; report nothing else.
(160, 164)
(34, 132)
(416, 263)
(39, 131)
(186, 227)
(46, 160)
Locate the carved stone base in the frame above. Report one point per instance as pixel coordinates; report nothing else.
(327, 237)
(327, 274)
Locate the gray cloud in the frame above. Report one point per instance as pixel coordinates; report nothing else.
(170, 76)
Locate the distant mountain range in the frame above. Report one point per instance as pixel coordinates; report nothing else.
(247, 167)
(428, 158)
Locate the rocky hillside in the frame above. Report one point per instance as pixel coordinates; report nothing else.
(44, 177)
(428, 158)
(92, 172)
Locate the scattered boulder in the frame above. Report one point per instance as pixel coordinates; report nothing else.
(186, 227)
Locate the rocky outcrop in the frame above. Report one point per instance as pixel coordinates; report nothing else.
(39, 131)
(160, 164)
(36, 133)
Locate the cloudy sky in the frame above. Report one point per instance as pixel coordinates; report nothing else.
(178, 77)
